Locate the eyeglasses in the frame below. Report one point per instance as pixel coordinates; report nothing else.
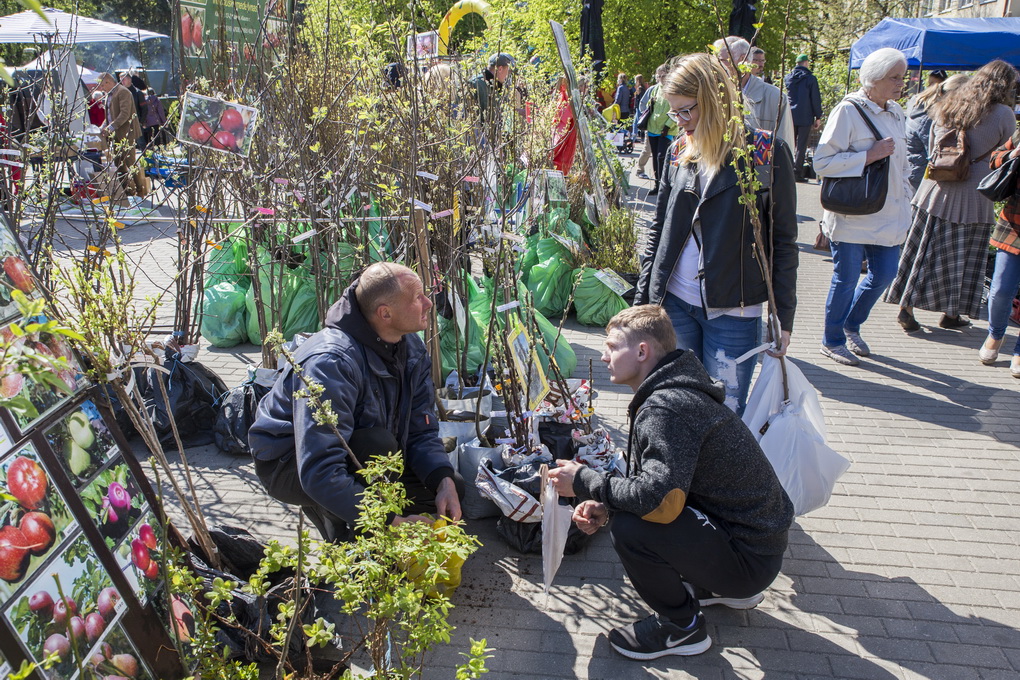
(682, 114)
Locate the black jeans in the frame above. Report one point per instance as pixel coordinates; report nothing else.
(280, 479)
(694, 548)
(801, 134)
(659, 145)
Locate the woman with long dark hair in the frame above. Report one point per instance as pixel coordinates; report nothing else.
(942, 266)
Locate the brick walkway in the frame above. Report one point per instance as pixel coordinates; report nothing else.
(912, 571)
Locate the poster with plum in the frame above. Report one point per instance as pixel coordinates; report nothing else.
(216, 124)
(27, 399)
(82, 442)
(34, 519)
(14, 273)
(114, 502)
(72, 609)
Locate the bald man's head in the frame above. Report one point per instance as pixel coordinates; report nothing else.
(381, 284)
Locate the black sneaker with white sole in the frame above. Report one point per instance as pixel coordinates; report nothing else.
(655, 636)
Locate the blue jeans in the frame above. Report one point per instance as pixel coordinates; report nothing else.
(717, 343)
(849, 302)
(1005, 281)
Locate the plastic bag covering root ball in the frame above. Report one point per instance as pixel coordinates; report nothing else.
(594, 302)
(550, 281)
(224, 315)
(294, 299)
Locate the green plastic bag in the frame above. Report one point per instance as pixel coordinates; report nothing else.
(594, 302)
(228, 264)
(472, 343)
(550, 281)
(295, 299)
(224, 314)
(566, 358)
(530, 257)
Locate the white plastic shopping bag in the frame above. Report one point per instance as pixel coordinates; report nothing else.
(805, 465)
(766, 398)
(555, 526)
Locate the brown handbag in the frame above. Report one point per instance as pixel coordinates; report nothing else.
(821, 241)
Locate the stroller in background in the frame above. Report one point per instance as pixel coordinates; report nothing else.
(619, 134)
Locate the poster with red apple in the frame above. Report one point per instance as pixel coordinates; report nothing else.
(14, 273)
(82, 441)
(34, 519)
(72, 609)
(216, 124)
(28, 400)
(141, 556)
(193, 23)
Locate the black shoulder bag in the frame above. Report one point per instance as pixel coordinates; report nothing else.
(1002, 182)
(864, 195)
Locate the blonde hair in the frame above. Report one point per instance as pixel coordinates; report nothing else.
(720, 121)
(934, 92)
(646, 323)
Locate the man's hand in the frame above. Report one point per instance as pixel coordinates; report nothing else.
(563, 478)
(590, 516)
(784, 343)
(817, 124)
(447, 502)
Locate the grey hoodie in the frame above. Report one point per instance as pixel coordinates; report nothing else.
(687, 448)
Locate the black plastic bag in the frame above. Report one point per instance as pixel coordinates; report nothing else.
(236, 415)
(194, 393)
(559, 438)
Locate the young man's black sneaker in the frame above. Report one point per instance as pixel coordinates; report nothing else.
(655, 636)
(706, 598)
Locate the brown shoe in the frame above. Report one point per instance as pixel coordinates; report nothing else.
(907, 321)
(953, 322)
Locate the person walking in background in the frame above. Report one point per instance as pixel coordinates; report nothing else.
(622, 96)
(700, 262)
(155, 119)
(937, 77)
(919, 124)
(640, 87)
(1006, 276)
(642, 106)
(768, 108)
(661, 128)
(942, 267)
(757, 57)
(846, 147)
(805, 108)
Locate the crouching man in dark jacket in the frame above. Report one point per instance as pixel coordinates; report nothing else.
(376, 374)
(701, 518)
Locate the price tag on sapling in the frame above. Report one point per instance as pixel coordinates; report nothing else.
(613, 281)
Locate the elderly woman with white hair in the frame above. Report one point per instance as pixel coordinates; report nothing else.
(846, 147)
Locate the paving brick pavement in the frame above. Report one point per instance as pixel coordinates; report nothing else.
(911, 571)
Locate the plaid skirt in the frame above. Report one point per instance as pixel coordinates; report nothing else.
(942, 266)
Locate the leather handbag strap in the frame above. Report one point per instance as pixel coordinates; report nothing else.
(867, 119)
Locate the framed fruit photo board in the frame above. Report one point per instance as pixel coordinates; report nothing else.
(80, 526)
(216, 124)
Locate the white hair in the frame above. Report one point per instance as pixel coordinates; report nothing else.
(879, 63)
(732, 47)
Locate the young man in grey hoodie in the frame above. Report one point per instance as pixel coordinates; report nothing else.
(700, 519)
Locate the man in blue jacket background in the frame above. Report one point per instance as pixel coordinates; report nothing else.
(805, 106)
(376, 374)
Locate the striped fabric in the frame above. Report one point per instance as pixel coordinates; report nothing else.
(942, 266)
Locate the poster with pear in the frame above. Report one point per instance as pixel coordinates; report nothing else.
(82, 441)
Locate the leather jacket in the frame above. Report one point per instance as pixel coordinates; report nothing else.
(732, 273)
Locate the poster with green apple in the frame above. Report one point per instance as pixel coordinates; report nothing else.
(34, 519)
(70, 609)
(82, 442)
(114, 502)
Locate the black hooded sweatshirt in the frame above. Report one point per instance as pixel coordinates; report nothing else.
(687, 448)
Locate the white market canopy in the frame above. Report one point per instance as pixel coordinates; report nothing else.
(65, 28)
(48, 60)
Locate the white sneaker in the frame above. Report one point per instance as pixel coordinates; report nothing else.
(840, 354)
(856, 344)
(988, 355)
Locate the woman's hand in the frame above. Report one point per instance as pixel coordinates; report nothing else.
(881, 149)
(784, 343)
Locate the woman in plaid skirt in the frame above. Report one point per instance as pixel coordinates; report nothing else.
(942, 266)
(1006, 278)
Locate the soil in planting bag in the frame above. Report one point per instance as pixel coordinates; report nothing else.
(454, 343)
(550, 280)
(236, 415)
(566, 358)
(194, 393)
(224, 314)
(594, 302)
(294, 297)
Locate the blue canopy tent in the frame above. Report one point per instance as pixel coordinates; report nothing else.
(950, 44)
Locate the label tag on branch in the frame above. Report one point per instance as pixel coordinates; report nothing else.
(304, 237)
(282, 181)
(516, 238)
(265, 211)
(613, 281)
(9, 152)
(442, 213)
(422, 206)
(14, 163)
(508, 306)
(299, 196)
(426, 175)
(472, 179)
